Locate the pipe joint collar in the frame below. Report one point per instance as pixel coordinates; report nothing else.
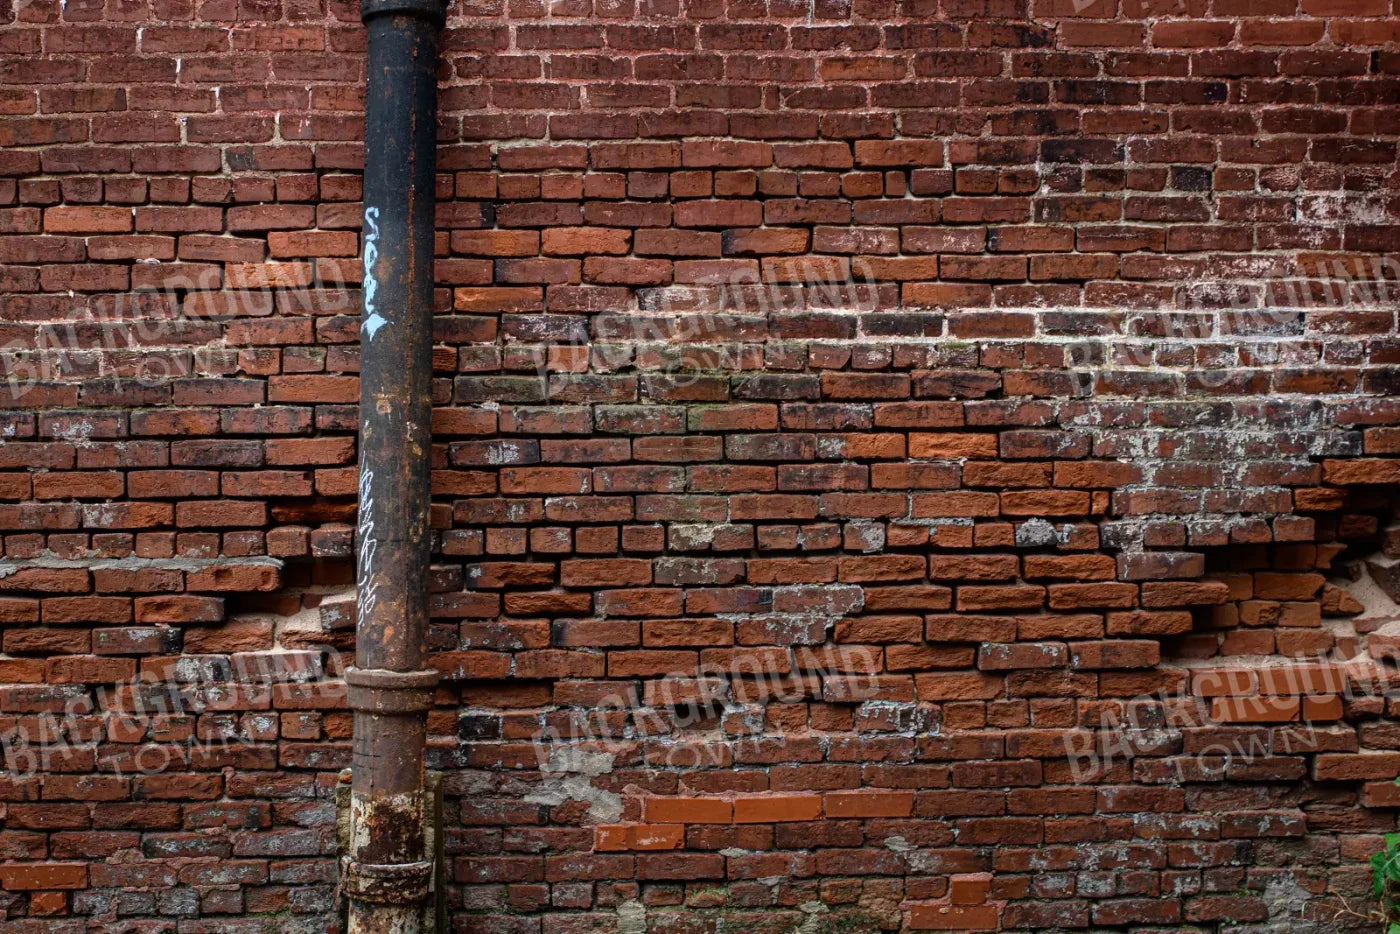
(434, 10)
(386, 883)
(378, 690)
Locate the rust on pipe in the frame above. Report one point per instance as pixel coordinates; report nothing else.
(387, 872)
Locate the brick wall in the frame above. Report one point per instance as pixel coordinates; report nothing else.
(898, 466)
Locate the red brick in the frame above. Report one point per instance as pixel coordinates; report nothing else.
(620, 837)
(934, 917)
(23, 877)
(777, 809)
(179, 609)
(868, 804)
(689, 810)
(88, 219)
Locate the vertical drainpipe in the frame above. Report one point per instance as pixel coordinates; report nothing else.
(387, 873)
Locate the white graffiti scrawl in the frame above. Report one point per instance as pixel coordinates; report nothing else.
(368, 579)
(373, 320)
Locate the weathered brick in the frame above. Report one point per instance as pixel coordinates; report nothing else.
(831, 419)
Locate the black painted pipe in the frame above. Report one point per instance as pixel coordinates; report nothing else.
(390, 688)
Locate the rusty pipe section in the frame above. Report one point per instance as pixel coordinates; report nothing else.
(386, 873)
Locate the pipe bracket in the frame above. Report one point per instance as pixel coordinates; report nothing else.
(435, 10)
(378, 690)
(386, 883)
